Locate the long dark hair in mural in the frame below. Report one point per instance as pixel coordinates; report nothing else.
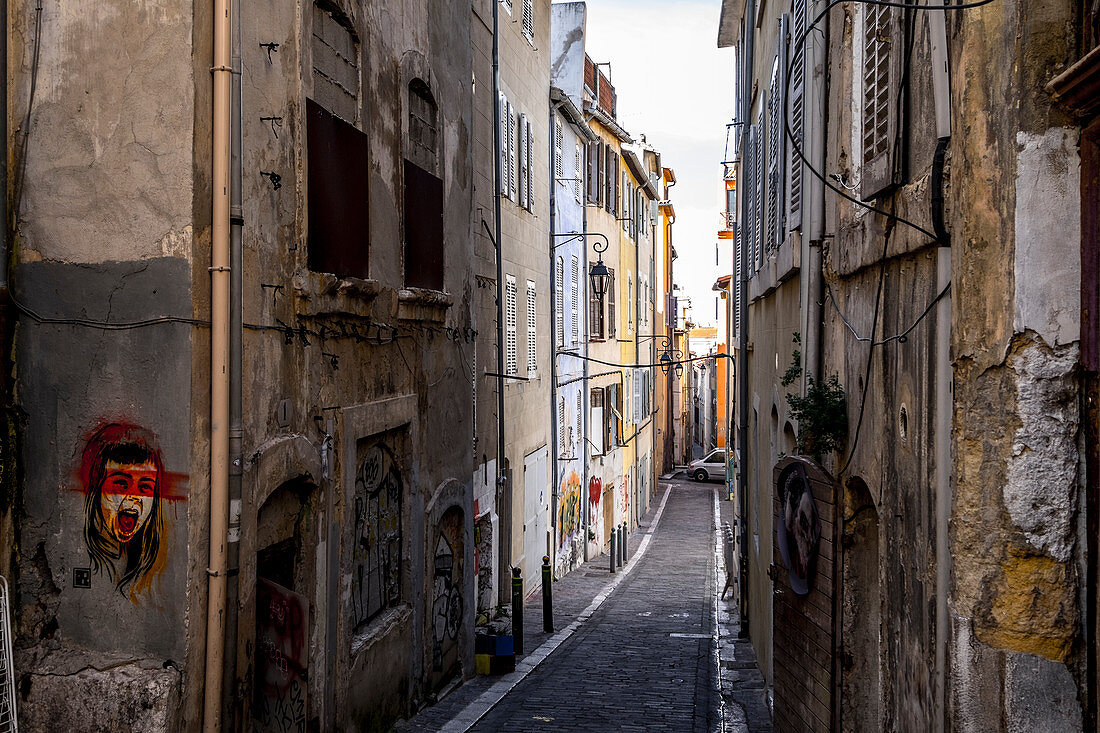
(376, 553)
(123, 478)
(798, 532)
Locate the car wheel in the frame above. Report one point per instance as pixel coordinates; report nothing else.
(700, 475)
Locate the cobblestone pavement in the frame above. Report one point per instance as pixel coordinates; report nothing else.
(645, 659)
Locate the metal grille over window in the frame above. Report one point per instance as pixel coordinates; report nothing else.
(529, 20)
(574, 298)
(559, 319)
(510, 365)
(532, 333)
(797, 115)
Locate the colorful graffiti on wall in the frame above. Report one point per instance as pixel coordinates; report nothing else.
(376, 552)
(569, 511)
(282, 658)
(447, 601)
(595, 494)
(125, 485)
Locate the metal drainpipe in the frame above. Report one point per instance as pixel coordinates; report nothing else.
(586, 388)
(503, 484)
(219, 366)
(231, 708)
(941, 85)
(555, 469)
(743, 340)
(4, 224)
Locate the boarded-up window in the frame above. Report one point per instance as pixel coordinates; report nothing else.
(423, 228)
(881, 70)
(335, 64)
(337, 194)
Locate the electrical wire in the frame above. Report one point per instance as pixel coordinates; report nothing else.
(671, 362)
(900, 337)
(798, 55)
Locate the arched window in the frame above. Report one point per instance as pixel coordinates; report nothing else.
(423, 198)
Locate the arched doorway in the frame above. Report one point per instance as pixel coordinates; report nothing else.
(448, 603)
(861, 659)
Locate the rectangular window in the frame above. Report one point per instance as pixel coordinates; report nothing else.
(532, 331)
(529, 21)
(574, 298)
(559, 315)
(578, 174)
(578, 434)
(511, 366)
(423, 228)
(524, 171)
(595, 317)
(529, 155)
(596, 421)
(796, 104)
(562, 449)
(611, 324)
(592, 178)
(559, 145)
(337, 163)
(502, 173)
(513, 154)
(880, 78)
(629, 302)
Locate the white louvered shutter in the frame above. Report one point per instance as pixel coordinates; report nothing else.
(558, 146)
(559, 316)
(562, 450)
(530, 144)
(575, 298)
(577, 419)
(502, 164)
(879, 124)
(524, 159)
(638, 396)
(532, 332)
(578, 173)
(796, 111)
(510, 362)
(529, 20)
(513, 158)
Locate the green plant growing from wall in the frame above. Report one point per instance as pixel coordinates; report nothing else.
(822, 414)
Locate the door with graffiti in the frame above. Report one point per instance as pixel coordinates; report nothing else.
(448, 604)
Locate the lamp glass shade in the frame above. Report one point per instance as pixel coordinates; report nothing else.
(599, 275)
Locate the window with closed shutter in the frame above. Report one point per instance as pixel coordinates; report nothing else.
(529, 20)
(592, 179)
(532, 331)
(513, 154)
(629, 302)
(562, 438)
(574, 298)
(529, 137)
(630, 393)
(611, 324)
(775, 197)
(578, 433)
(559, 320)
(796, 115)
(524, 171)
(559, 146)
(505, 158)
(578, 174)
(750, 201)
(880, 67)
(510, 362)
(759, 186)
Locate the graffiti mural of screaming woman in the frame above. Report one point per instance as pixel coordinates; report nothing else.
(124, 483)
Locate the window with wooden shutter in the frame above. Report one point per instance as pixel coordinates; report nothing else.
(562, 449)
(759, 184)
(532, 330)
(510, 362)
(559, 320)
(630, 393)
(578, 174)
(611, 325)
(513, 156)
(530, 144)
(574, 298)
(880, 77)
(559, 145)
(529, 21)
(592, 179)
(524, 171)
(750, 200)
(639, 376)
(775, 147)
(503, 163)
(796, 115)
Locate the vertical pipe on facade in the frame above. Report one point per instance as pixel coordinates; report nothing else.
(555, 470)
(503, 485)
(812, 330)
(230, 706)
(4, 137)
(586, 393)
(743, 327)
(219, 368)
(941, 85)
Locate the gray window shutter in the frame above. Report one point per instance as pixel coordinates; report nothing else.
(530, 158)
(524, 172)
(559, 315)
(592, 166)
(796, 107)
(759, 182)
(504, 154)
(881, 72)
(775, 147)
(513, 158)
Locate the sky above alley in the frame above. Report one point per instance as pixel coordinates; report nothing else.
(675, 86)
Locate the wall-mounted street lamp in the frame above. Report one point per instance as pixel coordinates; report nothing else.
(598, 274)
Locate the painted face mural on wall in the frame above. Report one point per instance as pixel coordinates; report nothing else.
(124, 483)
(798, 533)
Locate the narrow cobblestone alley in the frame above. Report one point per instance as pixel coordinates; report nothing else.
(644, 659)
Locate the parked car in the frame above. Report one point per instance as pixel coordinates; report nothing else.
(711, 466)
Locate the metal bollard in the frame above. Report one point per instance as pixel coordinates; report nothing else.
(517, 610)
(626, 542)
(547, 596)
(614, 550)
